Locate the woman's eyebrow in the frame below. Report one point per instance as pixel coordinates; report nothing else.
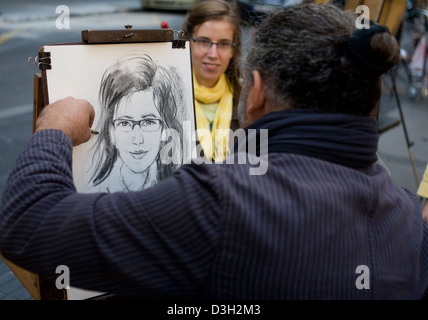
(150, 115)
(125, 117)
(209, 39)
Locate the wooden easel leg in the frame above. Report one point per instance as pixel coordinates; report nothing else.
(38, 98)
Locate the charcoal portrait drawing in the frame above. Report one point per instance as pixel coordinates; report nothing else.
(141, 125)
(142, 94)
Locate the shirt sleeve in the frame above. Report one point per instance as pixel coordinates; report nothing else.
(423, 186)
(159, 242)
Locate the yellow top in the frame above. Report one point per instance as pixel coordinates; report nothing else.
(214, 137)
(209, 110)
(423, 186)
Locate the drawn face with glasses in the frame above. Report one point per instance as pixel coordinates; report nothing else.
(212, 49)
(137, 130)
(147, 124)
(142, 112)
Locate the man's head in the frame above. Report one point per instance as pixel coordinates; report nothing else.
(301, 56)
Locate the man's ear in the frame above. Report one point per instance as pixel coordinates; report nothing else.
(256, 104)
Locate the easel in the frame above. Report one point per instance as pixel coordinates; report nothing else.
(38, 287)
(403, 123)
(391, 15)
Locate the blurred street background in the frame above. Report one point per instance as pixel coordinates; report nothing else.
(25, 26)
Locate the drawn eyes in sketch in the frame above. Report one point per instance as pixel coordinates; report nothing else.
(141, 125)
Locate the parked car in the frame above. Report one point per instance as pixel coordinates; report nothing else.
(169, 4)
(250, 10)
(254, 10)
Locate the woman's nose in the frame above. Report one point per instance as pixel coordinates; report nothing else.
(137, 137)
(213, 50)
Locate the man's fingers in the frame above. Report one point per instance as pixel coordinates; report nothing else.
(91, 115)
(72, 116)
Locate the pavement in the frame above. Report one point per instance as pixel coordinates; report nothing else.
(22, 11)
(403, 148)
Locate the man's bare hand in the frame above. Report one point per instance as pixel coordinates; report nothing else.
(72, 116)
(425, 211)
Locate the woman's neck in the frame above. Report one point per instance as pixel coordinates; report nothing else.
(207, 83)
(134, 181)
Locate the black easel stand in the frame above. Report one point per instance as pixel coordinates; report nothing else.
(409, 143)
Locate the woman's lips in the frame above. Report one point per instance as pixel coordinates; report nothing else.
(211, 67)
(138, 154)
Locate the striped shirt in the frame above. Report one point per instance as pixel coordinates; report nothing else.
(306, 229)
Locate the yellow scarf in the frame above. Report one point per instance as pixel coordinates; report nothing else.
(219, 135)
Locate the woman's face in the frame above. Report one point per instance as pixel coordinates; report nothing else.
(136, 132)
(209, 64)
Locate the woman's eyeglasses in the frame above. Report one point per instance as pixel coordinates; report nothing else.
(147, 124)
(205, 44)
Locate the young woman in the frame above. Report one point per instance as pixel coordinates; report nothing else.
(214, 32)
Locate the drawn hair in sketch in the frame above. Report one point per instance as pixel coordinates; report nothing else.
(127, 76)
